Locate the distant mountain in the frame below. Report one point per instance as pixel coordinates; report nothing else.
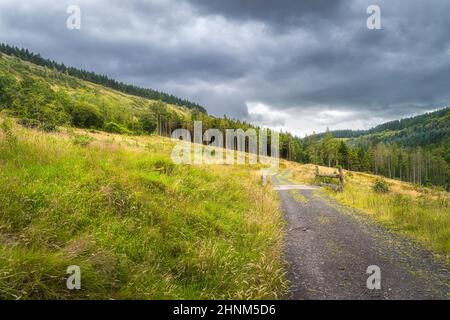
(422, 130)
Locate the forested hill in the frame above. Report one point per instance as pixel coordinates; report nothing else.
(421, 130)
(45, 97)
(415, 149)
(103, 80)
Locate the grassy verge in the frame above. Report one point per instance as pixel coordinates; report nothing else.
(420, 213)
(137, 225)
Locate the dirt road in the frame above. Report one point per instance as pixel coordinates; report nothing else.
(329, 249)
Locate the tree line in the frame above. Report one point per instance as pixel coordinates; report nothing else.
(420, 165)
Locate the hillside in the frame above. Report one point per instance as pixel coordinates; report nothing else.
(45, 97)
(53, 98)
(137, 225)
(416, 149)
(26, 55)
(422, 130)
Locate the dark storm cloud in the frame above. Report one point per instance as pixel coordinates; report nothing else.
(281, 13)
(302, 64)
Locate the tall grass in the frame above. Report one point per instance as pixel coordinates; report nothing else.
(135, 230)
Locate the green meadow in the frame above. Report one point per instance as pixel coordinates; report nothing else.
(136, 224)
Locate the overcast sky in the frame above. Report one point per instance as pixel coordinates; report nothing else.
(301, 66)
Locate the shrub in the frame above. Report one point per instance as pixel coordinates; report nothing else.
(148, 122)
(135, 126)
(29, 123)
(85, 115)
(380, 186)
(8, 113)
(36, 124)
(48, 127)
(164, 165)
(8, 86)
(115, 128)
(82, 139)
(7, 127)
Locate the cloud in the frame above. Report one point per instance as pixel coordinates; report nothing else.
(280, 14)
(266, 116)
(304, 121)
(310, 64)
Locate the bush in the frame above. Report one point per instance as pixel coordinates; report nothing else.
(36, 124)
(8, 87)
(29, 123)
(85, 115)
(112, 127)
(48, 127)
(135, 126)
(164, 165)
(8, 113)
(380, 186)
(82, 139)
(7, 127)
(148, 122)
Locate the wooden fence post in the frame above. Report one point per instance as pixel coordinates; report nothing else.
(339, 176)
(341, 179)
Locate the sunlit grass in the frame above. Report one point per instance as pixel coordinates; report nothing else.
(102, 202)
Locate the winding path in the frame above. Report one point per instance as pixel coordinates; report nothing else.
(329, 248)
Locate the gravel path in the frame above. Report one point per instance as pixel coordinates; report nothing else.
(329, 249)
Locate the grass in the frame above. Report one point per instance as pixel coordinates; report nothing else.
(420, 213)
(137, 225)
(298, 196)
